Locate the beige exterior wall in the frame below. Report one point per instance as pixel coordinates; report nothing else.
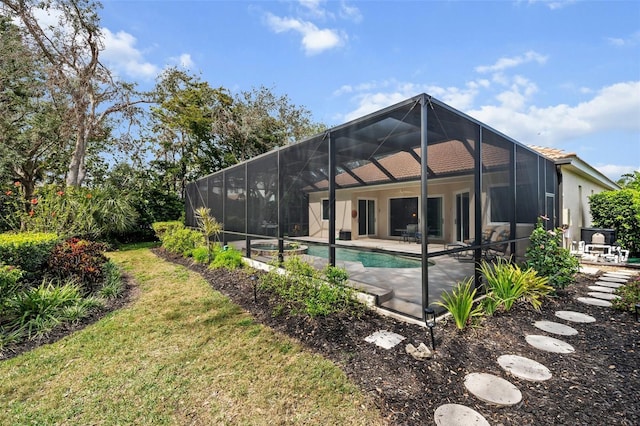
(574, 208)
(347, 201)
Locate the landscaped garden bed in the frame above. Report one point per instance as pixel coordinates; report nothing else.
(594, 385)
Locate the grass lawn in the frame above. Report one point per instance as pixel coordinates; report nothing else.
(180, 353)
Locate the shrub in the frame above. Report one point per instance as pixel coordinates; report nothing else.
(182, 241)
(629, 295)
(546, 255)
(460, 303)
(75, 211)
(201, 255)
(80, 260)
(307, 290)
(227, 257)
(9, 277)
(336, 275)
(619, 210)
(162, 228)
(27, 251)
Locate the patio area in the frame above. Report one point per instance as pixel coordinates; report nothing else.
(395, 289)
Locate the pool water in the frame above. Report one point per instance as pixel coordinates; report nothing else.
(368, 259)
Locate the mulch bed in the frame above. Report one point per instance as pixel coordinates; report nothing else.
(598, 384)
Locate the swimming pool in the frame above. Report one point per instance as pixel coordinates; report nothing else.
(367, 258)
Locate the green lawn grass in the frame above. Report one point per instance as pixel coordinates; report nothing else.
(181, 353)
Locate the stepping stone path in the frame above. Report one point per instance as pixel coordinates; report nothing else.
(385, 339)
(492, 389)
(459, 415)
(626, 275)
(575, 316)
(549, 344)
(602, 289)
(614, 279)
(609, 284)
(605, 296)
(556, 328)
(524, 368)
(594, 302)
(495, 390)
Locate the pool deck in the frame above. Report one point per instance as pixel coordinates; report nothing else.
(396, 289)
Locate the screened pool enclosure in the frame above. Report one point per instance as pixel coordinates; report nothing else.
(408, 199)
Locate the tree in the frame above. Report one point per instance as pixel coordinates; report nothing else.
(260, 121)
(186, 147)
(71, 50)
(630, 180)
(33, 135)
(152, 201)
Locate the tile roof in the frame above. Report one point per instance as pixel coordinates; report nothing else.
(552, 153)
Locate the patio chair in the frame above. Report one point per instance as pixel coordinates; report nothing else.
(498, 250)
(597, 238)
(577, 248)
(411, 233)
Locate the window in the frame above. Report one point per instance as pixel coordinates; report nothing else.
(403, 211)
(325, 209)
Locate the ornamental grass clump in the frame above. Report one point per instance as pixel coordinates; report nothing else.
(38, 310)
(507, 284)
(460, 303)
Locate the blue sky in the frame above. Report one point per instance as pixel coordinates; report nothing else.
(563, 73)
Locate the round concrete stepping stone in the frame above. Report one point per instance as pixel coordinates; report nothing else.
(549, 344)
(524, 368)
(613, 279)
(555, 328)
(609, 284)
(604, 296)
(594, 302)
(575, 316)
(458, 415)
(602, 289)
(492, 389)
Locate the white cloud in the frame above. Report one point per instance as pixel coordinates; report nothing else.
(314, 40)
(121, 53)
(349, 12)
(631, 40)
(554, 4)
(505, 63)
(615, 107)
(371, 102)
(183, 61)
(313, 8)
(614, 172)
